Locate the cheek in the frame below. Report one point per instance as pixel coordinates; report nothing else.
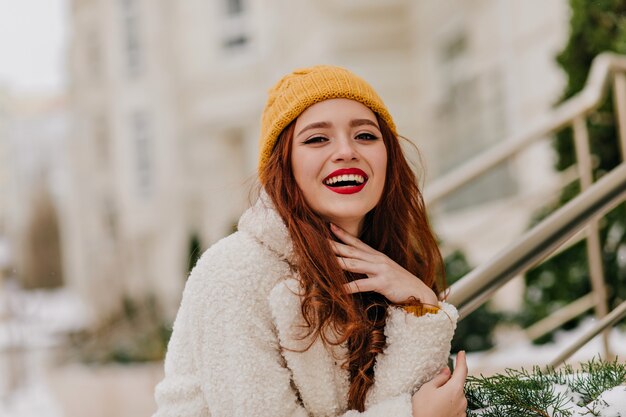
(381, 165)
(302, 171)
(295, 164)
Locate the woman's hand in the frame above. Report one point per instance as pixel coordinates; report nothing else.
(443, 396)
(384, 276)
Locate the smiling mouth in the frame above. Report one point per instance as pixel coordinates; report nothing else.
(346, 181)
(351, 180)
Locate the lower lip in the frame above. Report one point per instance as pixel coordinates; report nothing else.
(346, 190)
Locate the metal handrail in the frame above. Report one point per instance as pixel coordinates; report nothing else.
(603, 66)
(581, 214)
(561, 316)
(478, 285)
(611, 319)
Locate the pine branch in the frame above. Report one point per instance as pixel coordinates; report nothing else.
(553, 393)
(597, 377)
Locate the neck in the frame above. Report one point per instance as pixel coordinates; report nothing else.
(353, 227)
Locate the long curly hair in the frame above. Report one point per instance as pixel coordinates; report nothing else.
(398, 227)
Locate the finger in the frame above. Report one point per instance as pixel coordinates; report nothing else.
(351, 240)
(460, 368)
(357, 265)
(440, 379)
(346, 251)
(361, 285)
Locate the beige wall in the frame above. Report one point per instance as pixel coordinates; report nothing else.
(486, 70)
(126, 193)
(4, 174)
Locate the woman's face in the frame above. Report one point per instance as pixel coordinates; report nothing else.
(339, 160)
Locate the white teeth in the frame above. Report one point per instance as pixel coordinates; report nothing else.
(352, 177)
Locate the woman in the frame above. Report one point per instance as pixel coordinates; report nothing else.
(324, 302)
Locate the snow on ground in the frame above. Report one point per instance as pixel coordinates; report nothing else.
(514, 351)
(31, 400)
(611, 403)
(31, 323)
(38, 318)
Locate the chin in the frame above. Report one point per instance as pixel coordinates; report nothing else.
(346, 215)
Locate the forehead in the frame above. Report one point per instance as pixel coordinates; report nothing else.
(335, 110)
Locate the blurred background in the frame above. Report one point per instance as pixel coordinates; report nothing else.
(128, 145)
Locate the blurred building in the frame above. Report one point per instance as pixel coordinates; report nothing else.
(167, 97)
(485, 71)
(32, 191)
(4, 179)
(4, 174)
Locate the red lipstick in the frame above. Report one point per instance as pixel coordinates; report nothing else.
(350, 189)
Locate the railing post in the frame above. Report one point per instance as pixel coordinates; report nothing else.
(594, 249)
(606, 323)
(561, 316)
(619, 97)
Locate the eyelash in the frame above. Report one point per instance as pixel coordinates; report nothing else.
(314, 139)
(362, 136)
(367, 136)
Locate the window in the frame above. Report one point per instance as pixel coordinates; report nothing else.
(471, 119)
(235, 25)
(132, 44)
(144, 163)
(235, 42)
(234, 7)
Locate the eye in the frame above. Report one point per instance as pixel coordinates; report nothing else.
(315, 139)
(366, 136)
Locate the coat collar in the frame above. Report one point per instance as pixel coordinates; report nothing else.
(263, 222)
(321, 383)
(317, 374)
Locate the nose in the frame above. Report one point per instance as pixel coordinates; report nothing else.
(345, 150)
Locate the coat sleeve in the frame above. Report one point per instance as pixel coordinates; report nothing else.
(224, 360)
(180, 392)
(417, 349)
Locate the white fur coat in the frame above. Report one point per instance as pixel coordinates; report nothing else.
(241, 307)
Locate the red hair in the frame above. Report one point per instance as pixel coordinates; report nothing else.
(398, 227)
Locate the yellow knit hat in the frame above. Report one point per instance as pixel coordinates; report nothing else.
(299, 90)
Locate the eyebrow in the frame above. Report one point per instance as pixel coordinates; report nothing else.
(326, 125)
(315, 125)
(361, 122)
